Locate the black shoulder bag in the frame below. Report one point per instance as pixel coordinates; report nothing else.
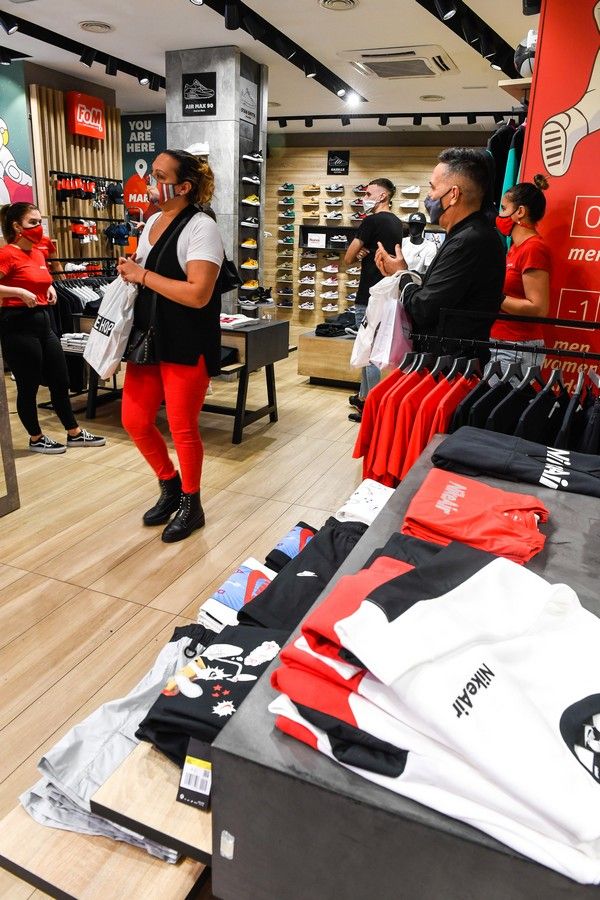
(141, 347)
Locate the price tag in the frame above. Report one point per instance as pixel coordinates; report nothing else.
(196, 778)
(316, 240)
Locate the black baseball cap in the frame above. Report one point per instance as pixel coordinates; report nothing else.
(417, 217)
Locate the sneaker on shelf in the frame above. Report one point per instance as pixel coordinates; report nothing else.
(249, 244)
(352, 331)
(332, 269)
(358, 217)
(351, 298)
(250, 223)
(251, 200)
(44, 444)
(330, 307)
(307, 280)
(329, 295)
(311, 188)
(284, 254)
(355, 270)
(306, 293)
(330, 282)
(409, 204)
(352, 284)
(285, 292)
(286, 240)
(251, 179)
(331, 256)
(249, 264)
(285, 278)
(357, 204)
(286, 186)
(284, 266)
(306, 306)
(247, 304)
(308, 267)
(256, 157)
(335, 202)
(287, 215)
(360, 189)
(339, 239)
(250, 285)
(314, 215)
(335, 216)
(85, 439)
(335, 188)
(285, 304)
(309, 202)
(264, 295)
(309, 254)
(411, 189)
(286, 201)
(286, 228)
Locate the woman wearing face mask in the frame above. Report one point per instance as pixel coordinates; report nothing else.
(528, 268)
(187, 333)
(30, 347)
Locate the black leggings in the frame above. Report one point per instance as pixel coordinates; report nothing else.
(33, 353)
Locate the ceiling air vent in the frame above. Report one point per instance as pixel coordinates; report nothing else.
(425, 61)
(338, 5)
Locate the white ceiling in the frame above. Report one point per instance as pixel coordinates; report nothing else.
(144, 29)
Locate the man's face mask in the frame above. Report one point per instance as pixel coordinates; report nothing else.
(369, 203)
(435, 208)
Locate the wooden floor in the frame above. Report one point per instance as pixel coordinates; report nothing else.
(88, 596)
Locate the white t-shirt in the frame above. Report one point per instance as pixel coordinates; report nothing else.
(200, 239)
(418, 256)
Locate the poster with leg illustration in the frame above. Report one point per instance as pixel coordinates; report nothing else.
(563, 143)
(15, 159)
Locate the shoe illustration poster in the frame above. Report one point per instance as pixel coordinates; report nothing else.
(15, 159)
(562, 141)
(199, 94)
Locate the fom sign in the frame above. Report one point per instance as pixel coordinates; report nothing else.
(85, 115)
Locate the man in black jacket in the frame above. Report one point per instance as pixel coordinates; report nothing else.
(468, 271)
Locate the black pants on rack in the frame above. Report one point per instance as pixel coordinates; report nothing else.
(33, 353)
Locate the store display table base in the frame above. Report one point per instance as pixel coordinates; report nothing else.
(304, 827)
(326, 360)
(68, 865)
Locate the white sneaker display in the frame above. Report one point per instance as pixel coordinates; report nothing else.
(330, 307)
(307, 293)
(308, 267)
(329, 295)
(332, 269)
(307, 280)
(306, 306)
(409, 204)
(339, 239)
(411, 189)
(355, 270)
(352, 284)
(334, 215)
(330, 282)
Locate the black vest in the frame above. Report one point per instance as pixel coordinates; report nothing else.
(183, 334)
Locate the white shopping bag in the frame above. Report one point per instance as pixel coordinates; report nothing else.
(392, 340)
(110, 333)
(378, 295)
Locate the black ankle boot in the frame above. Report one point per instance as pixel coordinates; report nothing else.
(167, 503)
(190, 516)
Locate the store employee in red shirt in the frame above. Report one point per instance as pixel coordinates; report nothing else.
(30, 347)
(528, 267)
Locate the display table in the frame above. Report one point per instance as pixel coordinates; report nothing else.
(326, 360)
(304, 827)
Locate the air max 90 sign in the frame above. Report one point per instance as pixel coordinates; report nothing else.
(338, 162)
(199, 94)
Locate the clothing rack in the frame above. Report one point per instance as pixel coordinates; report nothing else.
(61, 173)
(87, 218)
(87, 279)
(81, 259)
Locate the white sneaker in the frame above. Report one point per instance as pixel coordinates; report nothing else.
(306, 306)
(330, 307)
(339, 239)
(308, 267)
(335, 188)
(307, 280)
(306, 293)
(336, 216)
(309, 254)
(333, 270)
(409, 204)
(251, 179)
(330, 282)
(353, 284)
(411, 189)
(355, 270)
(336, 202)
(329, 295)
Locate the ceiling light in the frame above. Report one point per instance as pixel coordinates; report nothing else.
(496, 66)
(382, 120)
(471, 119)
(197, 2)
(5, 57)
(282, 123)
(111, 66)
(488, 51)
(353, 99)
(445, 9)
(310, 69)
(232, 15)
(88, 57)
(472, 36)
(254, 28)
(308, 123)
(445, 119)
(417, 120)
(96, 27)
(10, 25)
(431, 98)
(144, 78)
(345, 120)
(291, 53)
(338, 5)
(155, 83)
(341, 92)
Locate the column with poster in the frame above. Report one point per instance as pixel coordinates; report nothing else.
(563, 142)
(15, 154)
(143, 137)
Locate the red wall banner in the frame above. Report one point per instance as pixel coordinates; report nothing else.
(85, 115)
(563, 142)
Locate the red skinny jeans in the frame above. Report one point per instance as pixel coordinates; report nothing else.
(183, 389)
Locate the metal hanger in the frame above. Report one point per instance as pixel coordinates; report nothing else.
(555, 380)
(407, 361)
(443, 365)
(473, 367)
(492, 368)
(425, 361)
(533, 373)
(459, 366)
(514, 369)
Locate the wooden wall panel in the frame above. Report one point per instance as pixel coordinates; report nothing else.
(55, 148)
(302, 166)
